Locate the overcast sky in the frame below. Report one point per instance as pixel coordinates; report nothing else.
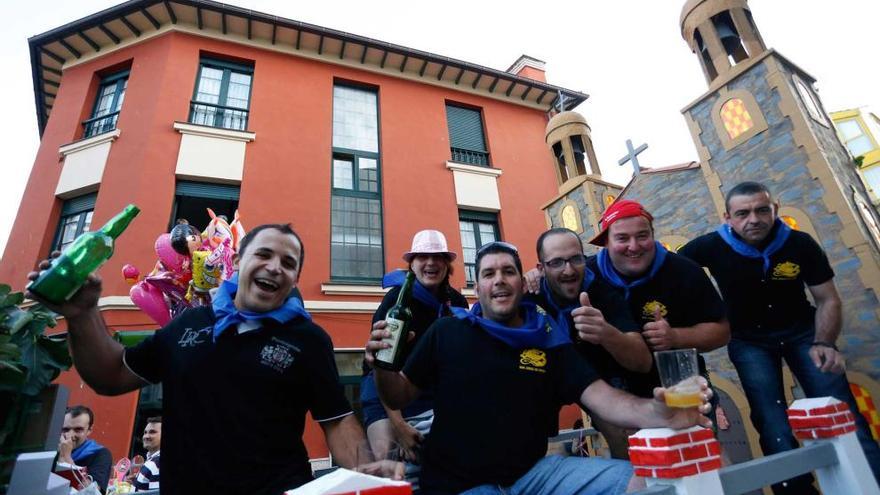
(628, 55)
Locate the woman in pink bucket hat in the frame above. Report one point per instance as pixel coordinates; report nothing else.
(430, 260)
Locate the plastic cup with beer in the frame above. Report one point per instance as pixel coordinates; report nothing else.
(679, 375)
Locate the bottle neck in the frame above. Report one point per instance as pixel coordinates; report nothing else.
(406, 289)
(118, 224)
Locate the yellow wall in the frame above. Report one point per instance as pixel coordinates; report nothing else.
(870, 126)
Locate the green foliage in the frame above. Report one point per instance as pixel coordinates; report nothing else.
(29, 359)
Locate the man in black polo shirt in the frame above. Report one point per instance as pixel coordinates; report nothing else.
(762, 267)
(238, 377)
(669, 295)
(499, 373)
(602, 329)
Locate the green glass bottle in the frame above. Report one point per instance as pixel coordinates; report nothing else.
(83, 256)
(397, 321)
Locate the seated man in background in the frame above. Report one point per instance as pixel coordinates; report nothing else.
(148, 477)
(76, 448)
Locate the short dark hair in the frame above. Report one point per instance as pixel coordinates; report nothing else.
(284, 228)
(496, 248)
(746, 188)
(555, 231)
(79, 410)
(154, 419)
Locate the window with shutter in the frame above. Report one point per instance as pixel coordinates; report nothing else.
(467, 142)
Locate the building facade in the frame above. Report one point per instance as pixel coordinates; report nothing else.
(178, 106)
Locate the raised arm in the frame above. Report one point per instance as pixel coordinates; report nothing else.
(96, 356)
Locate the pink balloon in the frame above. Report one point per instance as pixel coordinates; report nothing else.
(172, 260)
(130, 273)
(150, 300)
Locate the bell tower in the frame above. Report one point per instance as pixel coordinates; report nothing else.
(583, 193)
(722, 33)
(568, 136)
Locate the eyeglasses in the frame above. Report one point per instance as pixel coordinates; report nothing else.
(505, 246)
(575, 261)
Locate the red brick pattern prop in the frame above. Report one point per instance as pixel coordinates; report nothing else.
(667, 453)
(823, 417)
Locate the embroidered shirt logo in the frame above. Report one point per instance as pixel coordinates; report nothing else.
(786, 271)
(651, 307)
(277, 357)
(533, 360)
(192, 338)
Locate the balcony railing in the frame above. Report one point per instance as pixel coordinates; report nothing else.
(471, 157)
(100, 125)
(218, 116)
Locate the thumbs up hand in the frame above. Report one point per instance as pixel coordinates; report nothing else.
(590, 323)
(585, 299)
(659, 335)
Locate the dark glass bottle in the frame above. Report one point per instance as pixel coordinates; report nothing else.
(83, 256)
(398, 321)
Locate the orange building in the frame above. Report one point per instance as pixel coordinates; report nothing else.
(179, 105)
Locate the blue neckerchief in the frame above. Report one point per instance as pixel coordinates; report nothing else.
(228, 315)
(537, 331)
(562, 314)
(420, 292)
(606, 268)
(743, 248)
(88, 448)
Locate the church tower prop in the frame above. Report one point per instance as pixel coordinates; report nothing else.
(583, 194)
(762, 119)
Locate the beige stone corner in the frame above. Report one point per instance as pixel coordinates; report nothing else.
(713, 182)
(594, 208)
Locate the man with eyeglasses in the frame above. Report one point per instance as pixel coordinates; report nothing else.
(669, 295)
(76, 448)
(499, 373)
(595, 316)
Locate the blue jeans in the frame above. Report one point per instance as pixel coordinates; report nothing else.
(570, 475)
(759, 366)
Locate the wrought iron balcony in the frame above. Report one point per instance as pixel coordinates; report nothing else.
(100, 125)
(471, 157)
(218, 116)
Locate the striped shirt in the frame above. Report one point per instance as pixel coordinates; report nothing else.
(148, 478)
